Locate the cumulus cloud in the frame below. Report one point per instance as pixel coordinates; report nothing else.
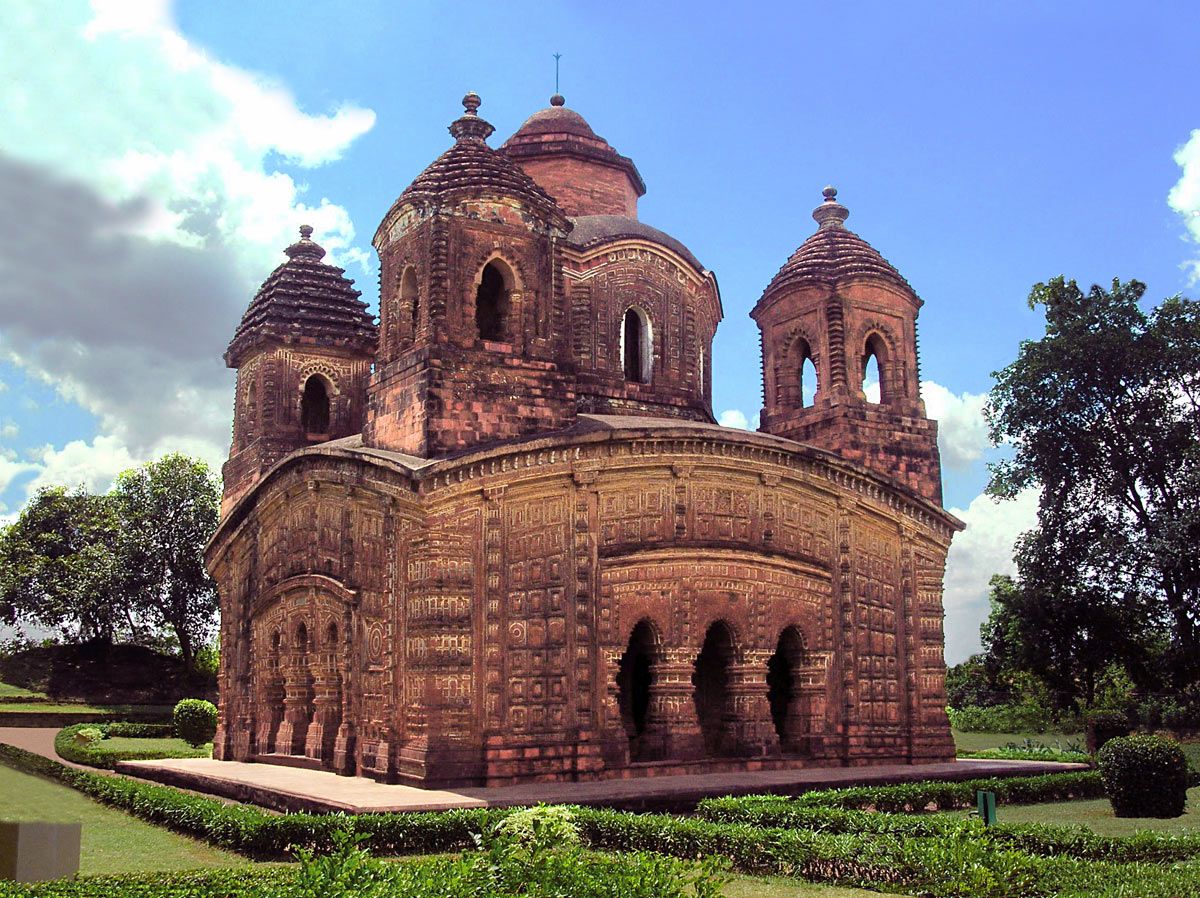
(962, 430)
(983, 549)
(145, 172)
(736, 418)
(1184, 197)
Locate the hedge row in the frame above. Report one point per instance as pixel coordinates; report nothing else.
(1048, 841)
(96, 754)
(940, 864)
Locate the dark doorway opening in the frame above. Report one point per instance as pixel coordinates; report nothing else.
(635, 674)
(314, 408)
(711, 682)
(491, 303)
(783, 674)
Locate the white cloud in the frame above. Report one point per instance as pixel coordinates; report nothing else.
(733, 418)
(1184, 197)
(8, 428)
(92, 465)
(146, 169)
(962, 430)
(11, 468)
(985, 548)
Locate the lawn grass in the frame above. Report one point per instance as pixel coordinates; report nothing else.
(113, 842)
(983, 741)
(1097, 815)
(7, 690)
(779, 887)
(109, 712)
(177, 746)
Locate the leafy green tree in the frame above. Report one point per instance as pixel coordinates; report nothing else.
(169, 510)
(974, 684)
(1103, 413)
(60, 566)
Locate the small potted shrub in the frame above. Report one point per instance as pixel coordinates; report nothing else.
(195, 721)
(1144, 776)
(1105, 725)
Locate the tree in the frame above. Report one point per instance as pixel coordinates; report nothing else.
(60, 566)
(169, 510)
(1103, 413)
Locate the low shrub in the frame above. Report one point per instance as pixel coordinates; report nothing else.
(1144, 776)
(1025, 717)
(195, 721)
(83, 743)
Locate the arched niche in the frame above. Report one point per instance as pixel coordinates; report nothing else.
(493, 302)
(637, 345)
(315, 408)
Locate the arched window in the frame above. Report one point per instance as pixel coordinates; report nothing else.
(807, 373)
(410, 301)
(873, 360)
(636, 346)
(491, 302)
(314, 407)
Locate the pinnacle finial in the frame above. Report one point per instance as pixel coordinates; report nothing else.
(469, 126)
(306, 232)
(558, 100)
(471, 102)
(831, 213)
(305, 247)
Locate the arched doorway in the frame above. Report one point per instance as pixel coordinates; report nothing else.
(636, 346)
(711, 682)
(314, 409)
(635, 674)
(787, 701)
(492, 302)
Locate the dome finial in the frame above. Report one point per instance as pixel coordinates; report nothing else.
(831, 213)
(305, 247)
(558, 100)
(469, 126)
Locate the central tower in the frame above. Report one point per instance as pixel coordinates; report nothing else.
(472, 324)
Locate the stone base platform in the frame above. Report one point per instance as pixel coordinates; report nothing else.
(295, 789)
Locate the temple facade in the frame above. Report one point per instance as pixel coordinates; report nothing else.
(499, 537)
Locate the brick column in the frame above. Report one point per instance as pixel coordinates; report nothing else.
(289, 738)
(750, 722)
(327, 707)
(672, 728)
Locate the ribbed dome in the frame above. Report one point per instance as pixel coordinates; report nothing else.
(304, 298)
(835, 254)
(594, 230)
(472, 167)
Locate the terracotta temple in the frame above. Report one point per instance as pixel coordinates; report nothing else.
(498, 537)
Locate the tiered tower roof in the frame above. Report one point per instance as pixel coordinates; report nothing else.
(305, 300)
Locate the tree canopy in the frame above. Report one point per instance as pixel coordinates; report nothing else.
(126, 565)
(1103, 414)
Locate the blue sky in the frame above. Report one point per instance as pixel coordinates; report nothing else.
(167, 152)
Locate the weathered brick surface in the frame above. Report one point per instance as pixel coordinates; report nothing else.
(508, 561)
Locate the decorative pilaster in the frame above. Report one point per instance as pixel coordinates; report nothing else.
(751, 725)
(672, 727)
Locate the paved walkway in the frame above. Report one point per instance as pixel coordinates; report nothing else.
(40, 741)
(291, 788)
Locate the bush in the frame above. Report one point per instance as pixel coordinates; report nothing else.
(195, 721)
(1105, 725)
(1025, 717)
(1144, 776)
(92, 751)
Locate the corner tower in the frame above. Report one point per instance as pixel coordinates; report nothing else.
(303, 355)
(834, 307)
(474, 345)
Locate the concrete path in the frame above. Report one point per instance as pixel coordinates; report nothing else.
(40, 741)
(294, 789)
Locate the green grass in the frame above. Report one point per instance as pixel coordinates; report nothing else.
(113, 842)
(105, 711)
(1097, 815)
(778, 887)
(9, 691)
(983, 741)
(176, 746)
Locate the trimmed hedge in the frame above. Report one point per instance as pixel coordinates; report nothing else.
(95, 754)
(1144, 776)
(969, 861)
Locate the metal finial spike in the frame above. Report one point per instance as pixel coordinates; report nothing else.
(557, 57)
(471, 102)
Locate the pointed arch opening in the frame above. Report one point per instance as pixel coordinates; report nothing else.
(492, 301)
(784, 691)
(635, 675)
(710, 681)
(637, 345)
(314, 408)
(806, 391)
(410, 300)
(874, 366)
